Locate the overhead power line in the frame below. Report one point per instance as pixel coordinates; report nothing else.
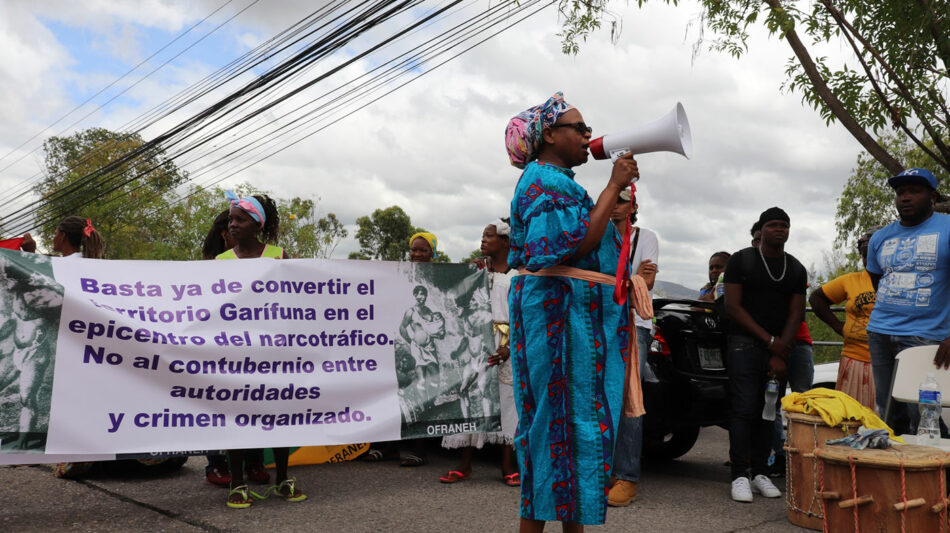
(109, 178)
(264, 118)
(18, 189)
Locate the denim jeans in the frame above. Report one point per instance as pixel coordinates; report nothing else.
(884, 349)
(629, 443)
(800, 373)
(749, 435)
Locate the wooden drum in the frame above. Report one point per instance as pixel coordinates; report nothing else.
(902, 488)
(806, 433)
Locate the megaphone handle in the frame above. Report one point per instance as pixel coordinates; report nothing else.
(617, 154)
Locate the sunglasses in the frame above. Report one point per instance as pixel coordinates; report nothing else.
(581, 127)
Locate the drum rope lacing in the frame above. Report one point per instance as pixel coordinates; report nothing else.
(854, 492)
(814, 474)
(903, 497)
(818, 484)
(821, 483)
(790, 500)
(943, 497)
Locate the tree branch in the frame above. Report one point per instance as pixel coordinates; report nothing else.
(834, 105)
(848, 31)
(942, 41)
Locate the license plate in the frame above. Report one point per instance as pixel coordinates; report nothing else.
(710, 358)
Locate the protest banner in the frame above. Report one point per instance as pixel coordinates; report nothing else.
(125, 357)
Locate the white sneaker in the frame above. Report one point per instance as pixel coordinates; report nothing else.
(741, 491)
(764, 486)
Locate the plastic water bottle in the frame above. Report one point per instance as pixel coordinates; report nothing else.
(771, 396)
(928, 397)
(720, 288)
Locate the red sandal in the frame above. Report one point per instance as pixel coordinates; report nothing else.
(512, 480)
(454, 476)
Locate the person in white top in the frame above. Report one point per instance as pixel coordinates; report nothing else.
(645, 252)
(495, 247)
(75, 236)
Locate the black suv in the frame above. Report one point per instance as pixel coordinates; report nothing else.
(688, 356)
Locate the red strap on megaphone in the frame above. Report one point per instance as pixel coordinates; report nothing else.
(620, 287)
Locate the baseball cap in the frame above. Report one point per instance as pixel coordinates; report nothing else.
(914, 175)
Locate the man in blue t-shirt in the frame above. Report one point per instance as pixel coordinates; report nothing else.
(909, 265)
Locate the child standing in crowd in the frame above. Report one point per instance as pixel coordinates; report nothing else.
(717, 265)
(494, 246)
(217, 472)
(248, 219)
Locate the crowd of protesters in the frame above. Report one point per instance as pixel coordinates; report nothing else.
(570, 279)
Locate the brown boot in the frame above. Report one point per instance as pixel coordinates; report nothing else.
(622, 494)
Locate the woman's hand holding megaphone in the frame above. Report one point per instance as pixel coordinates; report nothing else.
(625, 171)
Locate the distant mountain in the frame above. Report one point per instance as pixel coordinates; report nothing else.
(668, 289)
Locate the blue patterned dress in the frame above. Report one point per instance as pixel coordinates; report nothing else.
(568, 343)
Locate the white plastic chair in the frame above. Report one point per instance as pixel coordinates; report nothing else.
(910, 369)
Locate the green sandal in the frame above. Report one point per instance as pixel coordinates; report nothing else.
(242, 491)
(288, 490)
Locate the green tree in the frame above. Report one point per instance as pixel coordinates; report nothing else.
(301, 233)
(441, 257)
(867, 200)
(476, 253)
(186, 219)
(304, 235)
(330, 232)
(192, 215)
(384, 235)
(123, 201)
(901, 49)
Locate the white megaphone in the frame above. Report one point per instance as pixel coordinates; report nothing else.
(668, 134)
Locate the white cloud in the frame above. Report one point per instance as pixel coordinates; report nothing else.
(435, 147)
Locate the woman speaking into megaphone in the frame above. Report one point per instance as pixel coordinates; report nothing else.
(568, 336)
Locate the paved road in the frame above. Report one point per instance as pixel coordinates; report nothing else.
(691, 494)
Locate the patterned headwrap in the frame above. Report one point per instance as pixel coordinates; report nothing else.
(430, 238)
(250, 205)
(501, 228)
(523, 134)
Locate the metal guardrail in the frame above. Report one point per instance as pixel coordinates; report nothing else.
(826, 343)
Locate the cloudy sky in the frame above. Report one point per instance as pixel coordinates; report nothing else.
(435, 147)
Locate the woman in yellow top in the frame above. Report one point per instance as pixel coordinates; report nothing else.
(248, 219)
(854, 371)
